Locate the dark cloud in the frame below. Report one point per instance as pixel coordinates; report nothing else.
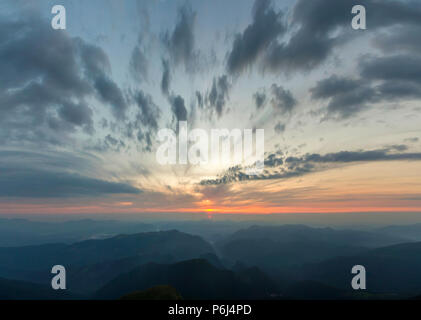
(200, 100)
(180, 42)
(38, 175)
(109, 139)
(398, 90)
(403, 67)
(311, 40)
(279, 166)
(145, 137)
(218, 94)
(55, 60)
(97, 69)
(325, 24)
(259, 99)
(248, 46)
(303, 52)
(346, 96)
(150, 113)
(147, 119)
(282, 100)
(399, 147)
(315, 29)
(77, 114)
(386, 13)
(274, 159)
(361, 156)
(95, 62)
(178, 108)
(109, 92)
(36, 80)
(139, 64)
(166, 77)
(388, 78)
(412, 140)
(237, 174)
(111, 143)
(334, 86)
(45, 88)
(401, 38)
(279, 128)
(53, 160)
(47, 184)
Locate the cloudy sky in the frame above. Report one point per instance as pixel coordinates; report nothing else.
(80, 108)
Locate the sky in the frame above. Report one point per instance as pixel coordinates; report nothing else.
(81, 108)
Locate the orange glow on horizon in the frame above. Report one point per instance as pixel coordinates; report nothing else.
(241, 210)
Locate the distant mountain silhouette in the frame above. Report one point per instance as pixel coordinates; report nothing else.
(393, 269)
(279, 250)
(154, 293)
(99, 256)
(261, 262)
(302, 233)
(88, 279)
(193, 279)
(21, 290)
(21, 232)
(278, 256)
(410, 232)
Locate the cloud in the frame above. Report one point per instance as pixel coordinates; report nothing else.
(315, 30)
(310, 41)
(94, 60)
(200, 100)
(279, 166)
(403, 67)
(139, 64)
(279, 127)
(346, 96)
(178, 108)
(47, 184)
(113, 143)
(393, 13)
(109, 92)
(145, 137)
(412, 140)
(259, 99)
(282, 100)
(97, 69)
(180, 42)
(387, 78)
(147, 119)
(250, 44)
(149, 111)
(324, 24)
(166, 77)
(401, 38)
(39, 80)
(218, 94)
(334, 86)
(359, 156)
(51, 175)
(46, 88)
(77, 114)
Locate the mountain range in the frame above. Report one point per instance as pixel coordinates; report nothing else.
(258, 262)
